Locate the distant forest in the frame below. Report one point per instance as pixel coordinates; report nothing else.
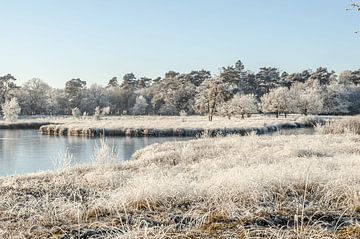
(234, 90)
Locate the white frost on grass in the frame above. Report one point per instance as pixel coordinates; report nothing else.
(105, 154)
(64, 161)
(171, 125)
(210, 182)
(348, 125)
(165, 122)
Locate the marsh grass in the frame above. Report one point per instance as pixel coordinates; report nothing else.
(224, 187)
(105, 154)
(344, 126)
(157, 126)
(63, 161)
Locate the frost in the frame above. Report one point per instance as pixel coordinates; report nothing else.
(11, 110)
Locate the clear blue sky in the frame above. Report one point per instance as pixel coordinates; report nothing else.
(98, 39)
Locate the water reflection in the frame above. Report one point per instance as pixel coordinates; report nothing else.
(296, 131)
(26, 151)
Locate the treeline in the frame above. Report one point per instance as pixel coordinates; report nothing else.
(234, 91)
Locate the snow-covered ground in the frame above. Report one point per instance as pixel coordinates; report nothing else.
(298, 186)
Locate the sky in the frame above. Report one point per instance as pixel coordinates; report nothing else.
(97, 39)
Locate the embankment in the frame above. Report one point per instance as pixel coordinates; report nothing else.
(23, 125)
(175, 130)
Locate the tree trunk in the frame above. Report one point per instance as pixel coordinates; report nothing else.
(242, 116)
(210, 117)
(277, 114)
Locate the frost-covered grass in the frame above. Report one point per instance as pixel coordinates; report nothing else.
(175, 126)
(33, 122)
(303, 186)
(164, 122)
(343, 126)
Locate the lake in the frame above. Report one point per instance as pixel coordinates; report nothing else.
(28, 151)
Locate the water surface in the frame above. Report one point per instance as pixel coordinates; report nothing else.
(27, 151)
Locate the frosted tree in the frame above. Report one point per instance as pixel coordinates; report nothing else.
(105, 110)
(7, 86)
(113, 83)
(97, 113)
(307, 99)
(183, 115)
(140, 106)
(95, 96)
(226, 110)
(210, 96)
(115, 95)
(76, 112)
(349, 77)
(181, 96)
(345, 77)
(244, 105)
(235, 77)
(11, 110)
(336, 99)
(74, 90)
(353, 93)
(321, 76)
(267, 78)
(278, 100)
(127, 95)
(38, 95)
(174, 93)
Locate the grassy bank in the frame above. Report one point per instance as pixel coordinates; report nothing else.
(34, 122)
(176, 126)
(232, 187)
(24, 125)
(344, 126)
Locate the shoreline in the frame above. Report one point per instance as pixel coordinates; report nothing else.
(192, 126)
(61, 130)
(24, 125)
